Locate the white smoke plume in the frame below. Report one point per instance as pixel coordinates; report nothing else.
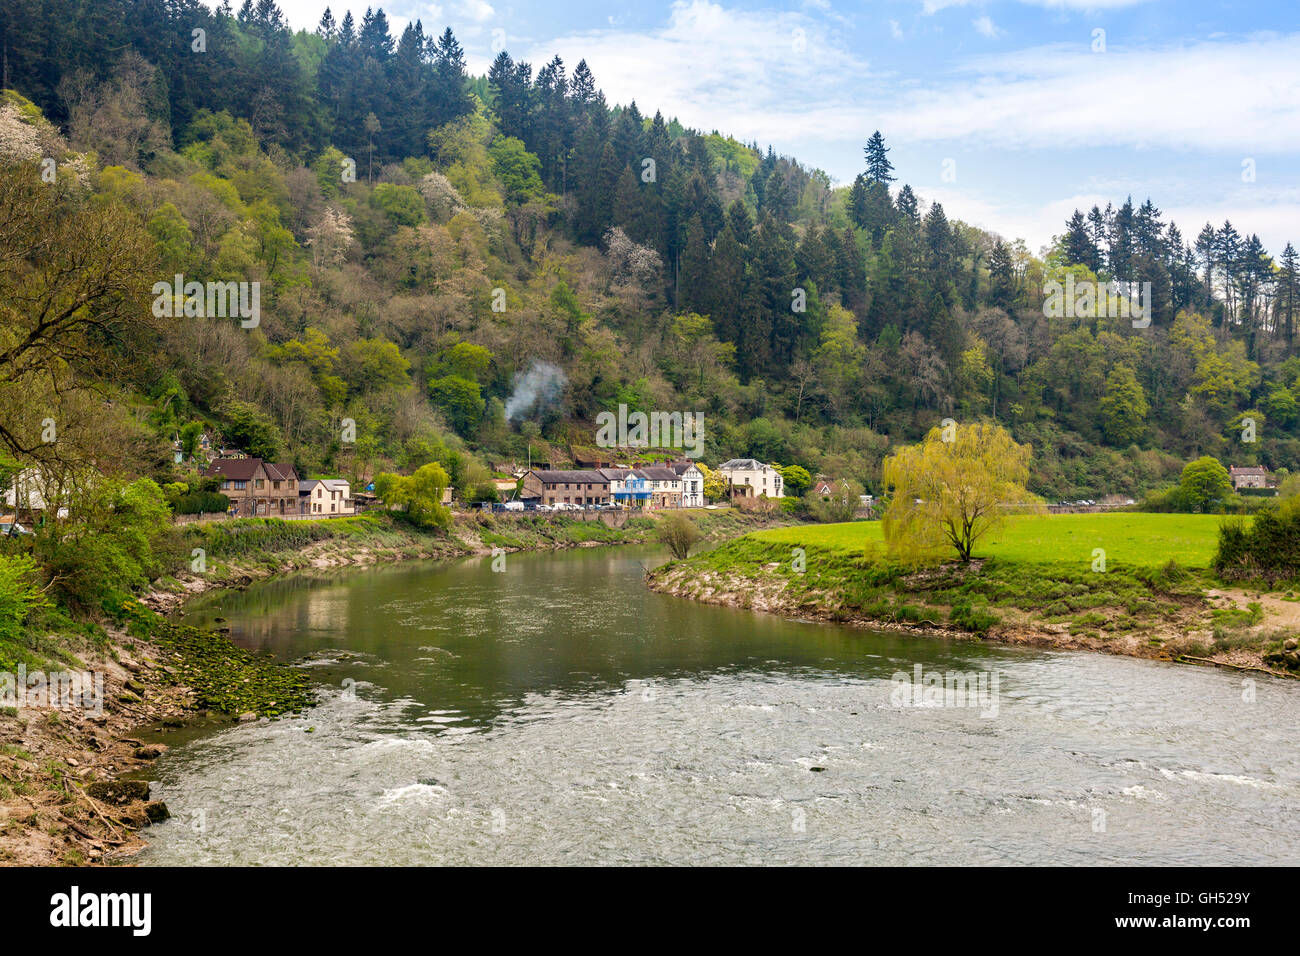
(541, 385)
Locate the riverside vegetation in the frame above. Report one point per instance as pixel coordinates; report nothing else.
(1138, 584)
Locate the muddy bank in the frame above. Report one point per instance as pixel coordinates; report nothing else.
(67, 793)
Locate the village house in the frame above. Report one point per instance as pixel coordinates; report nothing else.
(692, 483)
(326, 496)
(748, 478)
(256, 488)
(1249, 476)
(585, 488)
(626, 488)
(665, 486)
(823, 487)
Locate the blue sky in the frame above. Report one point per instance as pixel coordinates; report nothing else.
(1033, 109)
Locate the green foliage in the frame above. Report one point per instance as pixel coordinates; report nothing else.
(419, 495)
(462, 400)
(795, 479)
(1204, 485)
(21, 596)
(679, 533)
(517, 169)
(402, 204)
(109, 545)
(1268, 547)
(252, 430)
(1123, 407)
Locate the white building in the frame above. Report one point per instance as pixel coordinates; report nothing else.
(29, 490)
(692, 483)
(326, 496)
(751, 479)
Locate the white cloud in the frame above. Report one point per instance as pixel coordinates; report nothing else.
(1239, 95)
(895, 30)
(747, 72)
(986, 27)
(1268, 212)
(740, 71)
(479, 10)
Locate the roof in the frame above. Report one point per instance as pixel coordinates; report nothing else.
(742, 464)
(240, 469)
(282, 471)
(331, 484)
(681, 467)
(1248, 470)
(553, 476)
(657, 473)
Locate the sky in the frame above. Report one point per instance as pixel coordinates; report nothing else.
(1011, 113)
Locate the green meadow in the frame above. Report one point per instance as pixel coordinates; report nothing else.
(1132, 540)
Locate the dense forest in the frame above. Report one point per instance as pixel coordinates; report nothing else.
(469, 269)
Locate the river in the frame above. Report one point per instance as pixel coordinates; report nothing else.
(558, 712)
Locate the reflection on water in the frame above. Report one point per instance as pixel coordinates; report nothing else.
(561, 713)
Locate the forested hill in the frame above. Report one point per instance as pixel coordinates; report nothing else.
(467, 267)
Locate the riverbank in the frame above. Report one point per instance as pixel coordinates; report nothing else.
(1152, 607)
(237, 553)
(73, 787)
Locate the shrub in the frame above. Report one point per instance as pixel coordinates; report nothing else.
(20, 596)
(1269, 547)
(678, 532)
(974, 619)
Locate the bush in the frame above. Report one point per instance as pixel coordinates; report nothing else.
(200, 502)
(1269, 547)
(109, 545)
(679, 533)
(977, 620)
(20, 596)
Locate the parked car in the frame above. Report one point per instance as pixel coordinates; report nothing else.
(9, 526)
(514, 506)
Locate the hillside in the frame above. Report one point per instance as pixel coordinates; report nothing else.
(438, 267)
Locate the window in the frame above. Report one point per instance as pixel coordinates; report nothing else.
(259, 483)
(275, 485)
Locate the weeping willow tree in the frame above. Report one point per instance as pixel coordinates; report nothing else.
(954, 490)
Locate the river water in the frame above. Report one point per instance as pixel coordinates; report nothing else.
(558, 712)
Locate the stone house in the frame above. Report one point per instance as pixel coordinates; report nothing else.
(256, 488)
(585, 488)
(1249, 476)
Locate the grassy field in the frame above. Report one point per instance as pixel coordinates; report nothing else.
(1133, 540)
